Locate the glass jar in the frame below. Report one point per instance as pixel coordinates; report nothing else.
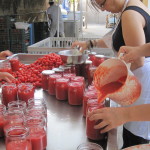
(73, 69)
(89, 146)
(88, 95)
(17, 105)
(36, 111)
(2, 119)
(52, 83)
(91, 88)
(14, 62)
(94, 134)
(91, 74)
(58, 71)
(92, 56)
(37, 102)
(13, 118)
(78, 79)
(67, 69)
(45, 77)
(5, 67)
(98, 60)
(69, 75)
(25, 91)
(75, 93)
(17, 138)
(9, 93)
(86, 67)
(62, 88)
(37, 134)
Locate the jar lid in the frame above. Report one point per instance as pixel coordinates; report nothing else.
(93, 53)
(58, 69)
(70, 65)
(88, 62)
(99, 56)
(48, 72)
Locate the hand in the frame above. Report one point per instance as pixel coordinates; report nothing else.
(131, 54)
(111, 117)
(81, 44)
(5, 53)
(7, 77)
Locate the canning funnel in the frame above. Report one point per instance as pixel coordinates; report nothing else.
(113, 79)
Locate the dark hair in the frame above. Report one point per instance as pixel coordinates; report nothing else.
(51, 3)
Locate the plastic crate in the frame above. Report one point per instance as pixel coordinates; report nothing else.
(56, 44)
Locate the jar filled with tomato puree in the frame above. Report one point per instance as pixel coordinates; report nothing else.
(45, 77)
(92, 56)
(78, 79)
(52, 83)
(75, 93)
(91, 74)
(88, 95)
(13, 118)
(68, 75)
(36, 111)
(14, 62)
(73, 69)
(2, 119)
(86, 67)
(37, 132)
(94, 134)
(25, 91)
(5, 67)
(17, 138)
(98, 60)
(9, 93)
(62, 88)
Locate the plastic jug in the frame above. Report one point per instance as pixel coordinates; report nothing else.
(113, 79)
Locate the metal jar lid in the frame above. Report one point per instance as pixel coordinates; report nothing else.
(48, 72)
(99, 56)
(88, 62)
(58, 69)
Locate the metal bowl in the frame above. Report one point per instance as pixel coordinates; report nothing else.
(73, 57)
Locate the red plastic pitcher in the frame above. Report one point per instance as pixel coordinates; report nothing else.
(114, 79)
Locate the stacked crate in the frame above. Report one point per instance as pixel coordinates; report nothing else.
(20, 40)
(6, 23)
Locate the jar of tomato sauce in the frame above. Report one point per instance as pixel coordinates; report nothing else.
(94, 134)
(2, 119)
(73, 69)
(91, 74)
(5, 67)
(25, 91)
(88, 95)
(86, 67)
(9, 93)
(92, 56)
(52, 83)
(17, 138)
(75, 93)
(14, 62)
(98, 60)
(62, 88)
(45, 77)
(13, 118)
(37, 134)
(69, 75)
(78, 79)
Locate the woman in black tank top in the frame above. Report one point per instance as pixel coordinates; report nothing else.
(133, 30)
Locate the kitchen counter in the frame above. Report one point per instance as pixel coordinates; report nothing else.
(66, 126)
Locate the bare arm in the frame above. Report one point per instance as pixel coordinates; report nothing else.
(6, 76)
(5, 53)
(113, 117)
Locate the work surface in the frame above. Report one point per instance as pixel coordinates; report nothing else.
(66, 126)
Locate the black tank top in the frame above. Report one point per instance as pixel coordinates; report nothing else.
(118, 40)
